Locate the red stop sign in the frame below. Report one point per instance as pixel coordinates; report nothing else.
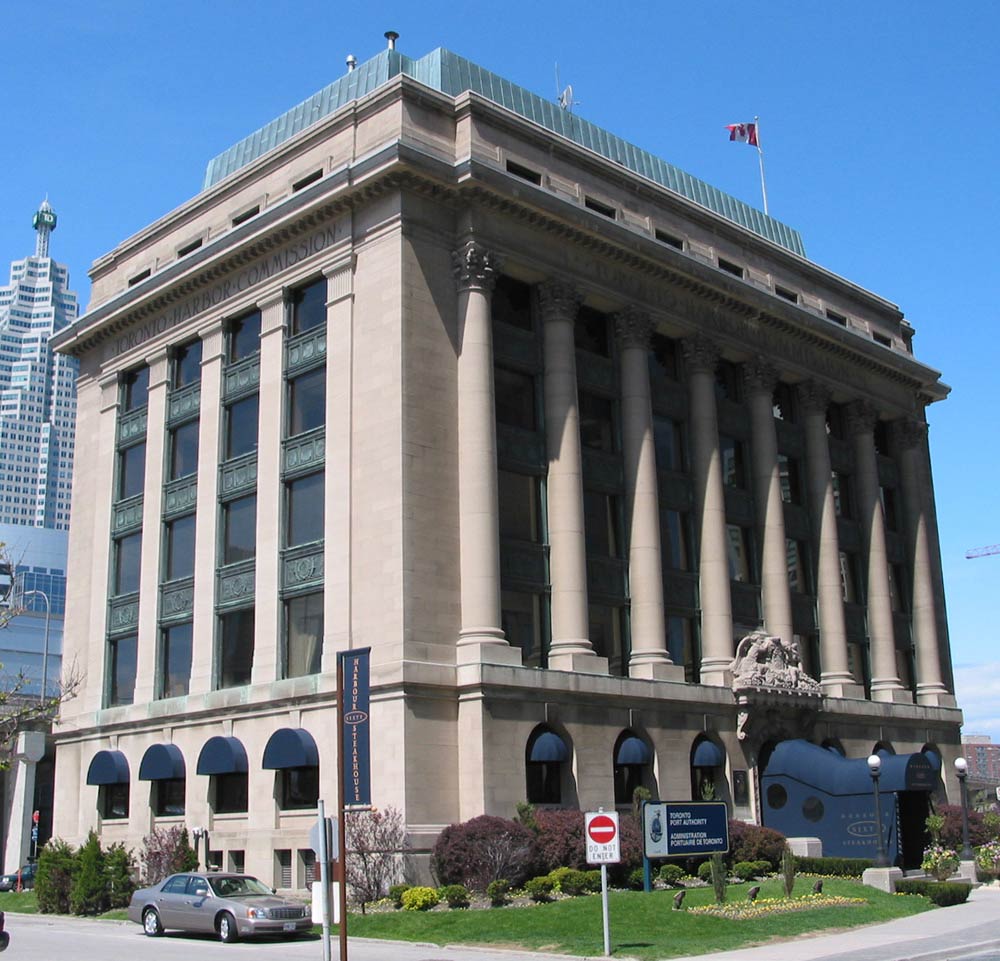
(602, 829)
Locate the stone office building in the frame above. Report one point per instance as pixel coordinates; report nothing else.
(434, 367)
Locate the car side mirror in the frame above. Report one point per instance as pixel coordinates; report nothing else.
(201, 892)
(274, 890)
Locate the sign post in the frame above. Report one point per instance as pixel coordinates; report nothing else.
(321, 845)
(603, 848)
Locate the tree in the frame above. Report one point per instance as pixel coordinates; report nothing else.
(166, 852)
(19, 710)
(376, 852)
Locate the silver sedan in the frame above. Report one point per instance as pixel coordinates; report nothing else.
(232, 905)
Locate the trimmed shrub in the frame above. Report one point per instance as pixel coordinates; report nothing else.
(539, 889)
(119, 870)
(572, 881)
(396, 893)
(56, 867)
(705, 871)
(751, 842)
(560, 840)
(498, 892)
(482, 850)
(593, 880)
(637, 879)
(671, 874)
(420, 899)
(88, 893)
(745, 870)
(942, 893)
(456, 895)
(834, 867)
(761, 868)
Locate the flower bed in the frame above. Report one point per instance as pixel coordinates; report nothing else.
(745, 910)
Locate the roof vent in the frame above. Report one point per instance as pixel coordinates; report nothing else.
(352, 62)
(392, 37)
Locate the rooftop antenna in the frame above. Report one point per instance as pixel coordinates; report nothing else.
(392, 37)
(564, 95)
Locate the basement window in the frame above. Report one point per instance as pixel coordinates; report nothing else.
(882, 339)
(786, 294)
(306, 181)
(664, 238)
(139, 277)
(836, 318)
(525, 173)
(605, 210)
(190, 248)
(246, 215)
(730, 268)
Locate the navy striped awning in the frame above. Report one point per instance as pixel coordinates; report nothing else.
(548, 746)
(108, 767)
(290, 747)
(223, 755)
(633, 750)
(707, 754)
(162, 762)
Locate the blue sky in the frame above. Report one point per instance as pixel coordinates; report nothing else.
(878, 121)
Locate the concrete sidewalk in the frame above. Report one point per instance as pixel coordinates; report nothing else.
(932, 936)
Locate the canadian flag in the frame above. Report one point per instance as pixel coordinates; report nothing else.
(743, 133)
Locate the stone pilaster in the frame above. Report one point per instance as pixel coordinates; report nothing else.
(570, 649)
(760, 379)
(649, 657)
(836, 678)
(481, 637)
(885, 686)
(911, 437)
(701, 357)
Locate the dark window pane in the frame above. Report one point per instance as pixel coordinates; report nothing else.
(187, 364)
(241, 427)
(798, 566)
(674, 540)
(681, 645)
(608, 635)
(727, 382)
(667, 440)
(307, 401)
(135, 389)
(175, 666)
(521, 620)
(299, 787)
(113, 801)
(733, 469)
(789, 479)
(515, 398)
(784, 402)
(236, 648)
(849, 578)
(842, 494)
(303, 635)
(889, 508)
(244, 336)
(738, 544)
(512, 303)
(180, 547)
(230, 793)
(128, 552)
(663, 356)
(309, 307)
(596, 422)
(184, 450)
(591, 332)
(239, 529)
(627, 778)
(305, 510)
(131, 471)
(601, 524)
(519, 506)
(543, 782)
(121, 690)
(168, 797)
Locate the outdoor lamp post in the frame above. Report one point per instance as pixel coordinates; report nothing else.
(962, 771)
(875, 769)
(198, 834)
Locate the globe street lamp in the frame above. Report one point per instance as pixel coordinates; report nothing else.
(962, 771)
(875, 769)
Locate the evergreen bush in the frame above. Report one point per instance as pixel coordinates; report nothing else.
(396, 893)
(455, 895)
(745, 870)
(119, 872)
(539, 889)
(671, 874)
(54, 880)
(89, 891)
(942, 893)
(834, 867)
(420, 899)
(498, 892)
(788, 872)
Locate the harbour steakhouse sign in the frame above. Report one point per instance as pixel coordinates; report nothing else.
(256, 273)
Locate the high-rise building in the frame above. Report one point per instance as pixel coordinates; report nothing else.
(436, 368)
(37, 388)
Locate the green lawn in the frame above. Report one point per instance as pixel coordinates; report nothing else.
(642, 925)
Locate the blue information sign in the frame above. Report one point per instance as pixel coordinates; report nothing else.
(355, 738)
(684, 828)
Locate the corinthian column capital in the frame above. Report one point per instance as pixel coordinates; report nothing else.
(700, 354)
(759, 376)
(814, 398)
(862, 415)
(908, 433)
(473, 265)
(559, 301)
(634, 328)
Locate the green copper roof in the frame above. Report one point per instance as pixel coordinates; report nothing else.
(452, 75)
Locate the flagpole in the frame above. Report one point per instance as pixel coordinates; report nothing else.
(760, 158)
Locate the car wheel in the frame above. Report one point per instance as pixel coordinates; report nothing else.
(227, 929)
(151, 923)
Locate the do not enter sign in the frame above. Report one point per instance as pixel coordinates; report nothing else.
(601, 832)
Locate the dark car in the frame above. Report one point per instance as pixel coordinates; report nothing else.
(234, 906)
(8, 882)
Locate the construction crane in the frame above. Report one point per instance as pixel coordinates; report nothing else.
(983, 551)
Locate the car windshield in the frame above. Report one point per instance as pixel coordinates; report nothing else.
(238, 887)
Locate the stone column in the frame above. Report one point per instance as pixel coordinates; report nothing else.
(649, 658)
(481, 637)
(836, 678)
(701, 356)
(570, 649)
(760, 378)
(21, 785)
(910, 436)
(886, 685)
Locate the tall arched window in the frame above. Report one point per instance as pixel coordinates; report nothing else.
(706, 759)
(632, 760)
(545, 755)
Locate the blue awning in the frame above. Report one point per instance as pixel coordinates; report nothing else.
(290, 747)
(108, 767)
(707, 754)
(162, 762)
(933, 758)
(633, 750)
(223, 755)
(548, 746)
